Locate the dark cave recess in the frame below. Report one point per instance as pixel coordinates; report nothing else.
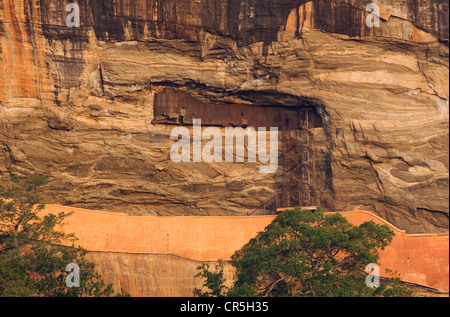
(174, 107)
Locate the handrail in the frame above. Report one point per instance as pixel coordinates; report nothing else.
(263, 205)
(284, 203)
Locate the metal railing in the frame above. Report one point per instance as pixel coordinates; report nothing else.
(317, 199)
(268, 207)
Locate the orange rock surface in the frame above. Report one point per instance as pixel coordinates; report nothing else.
(78, 103)
(420, 259)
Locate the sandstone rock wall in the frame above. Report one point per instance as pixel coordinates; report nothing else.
(77, 103)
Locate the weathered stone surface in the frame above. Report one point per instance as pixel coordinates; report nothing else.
(152, 275)
(78, 102)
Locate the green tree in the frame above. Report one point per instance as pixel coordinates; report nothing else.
(304, 253)
(213, 281)
(34, 253)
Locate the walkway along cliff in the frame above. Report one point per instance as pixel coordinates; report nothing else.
(157, 256)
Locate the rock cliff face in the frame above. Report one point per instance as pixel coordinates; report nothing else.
(77, 103)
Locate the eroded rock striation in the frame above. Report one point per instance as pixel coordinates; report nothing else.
(78, 102)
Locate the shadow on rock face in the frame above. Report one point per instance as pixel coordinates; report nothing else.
(245, 22)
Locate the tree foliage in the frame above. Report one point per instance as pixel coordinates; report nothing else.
(304, 253)
(214, 281)
(34, 253)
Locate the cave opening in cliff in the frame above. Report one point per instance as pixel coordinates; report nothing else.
(301, 181)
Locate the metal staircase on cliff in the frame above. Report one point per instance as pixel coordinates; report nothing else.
(299, 187)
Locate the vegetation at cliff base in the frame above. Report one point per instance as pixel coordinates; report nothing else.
(34, 254)
(308, 254)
